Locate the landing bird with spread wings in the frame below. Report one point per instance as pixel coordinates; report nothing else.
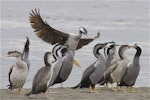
(50, 35)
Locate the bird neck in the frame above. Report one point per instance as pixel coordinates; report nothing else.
(99, 55)
(122, 54)
(46, 60)
(56, 55)
(19, 58)
(137, 55)
(138, 52)
(78, 37)
(109, 58)
(108, 51)
(26, 53)
(96, 53)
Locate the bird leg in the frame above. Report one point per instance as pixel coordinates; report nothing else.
(24, 90)
(46, 96)
(62, 86)
(92, 89)
(50, 91)
(21, 90)
(132, 89)
(117, 88)
(76, 63)
(113, 88)
(106, 85)
(13, 90)
(124, 89)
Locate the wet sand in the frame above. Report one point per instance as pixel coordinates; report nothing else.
(143, 93)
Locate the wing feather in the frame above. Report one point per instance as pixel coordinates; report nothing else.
(84, 42)
(87, 72)
(45, 31)
(50, 35)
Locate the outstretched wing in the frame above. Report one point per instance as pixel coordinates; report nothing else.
(84, 42)
(45, 31)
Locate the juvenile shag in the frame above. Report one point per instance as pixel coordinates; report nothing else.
(18, 72)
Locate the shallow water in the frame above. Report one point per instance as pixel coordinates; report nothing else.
(125, 22)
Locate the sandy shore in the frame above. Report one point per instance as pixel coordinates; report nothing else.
(143, 93)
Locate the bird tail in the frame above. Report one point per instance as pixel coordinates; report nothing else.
(28, 94)
(122, 84)
(103, 82)
(78, 85)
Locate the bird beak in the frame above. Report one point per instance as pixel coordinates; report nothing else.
(130, 46)
(76, 63)
(87, 35)
(5, 57)
(107, 47)
(114, 49)
(117, 45)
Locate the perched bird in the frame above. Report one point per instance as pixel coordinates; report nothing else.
(94, 72)
(116, 71)
(132, 71)
(18, 72)
(42, 76)
(25, 53)
(53, 36)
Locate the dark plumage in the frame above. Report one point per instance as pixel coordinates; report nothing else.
(133, 69)
(58, 63)
(41, 77)
(66, 68)
(94, 72)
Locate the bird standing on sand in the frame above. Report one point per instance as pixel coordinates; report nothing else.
(66, 68)
(114, 73)
(94, 72)
(41, 77)
(132, 70)
(46, 74)
(58, 63)
(18, 72)
(111, 58)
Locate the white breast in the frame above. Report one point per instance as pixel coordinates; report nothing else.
(19, 75)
